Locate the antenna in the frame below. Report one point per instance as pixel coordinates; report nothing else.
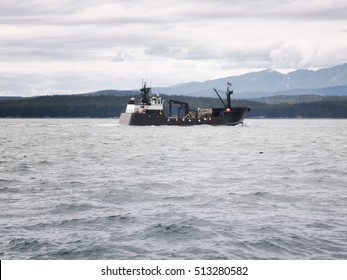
(149, 75)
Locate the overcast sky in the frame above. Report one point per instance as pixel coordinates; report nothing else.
(75, 46)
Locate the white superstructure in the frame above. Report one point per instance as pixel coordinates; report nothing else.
(156, 103)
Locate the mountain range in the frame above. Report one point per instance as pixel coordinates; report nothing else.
(326, 81)
(263, 84)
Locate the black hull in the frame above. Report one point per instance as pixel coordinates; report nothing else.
(234, 117)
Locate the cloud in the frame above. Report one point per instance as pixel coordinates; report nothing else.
(105, 44)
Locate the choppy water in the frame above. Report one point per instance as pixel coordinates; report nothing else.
(92, 189)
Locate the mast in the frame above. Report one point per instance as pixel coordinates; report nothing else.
(228, 93)
(145, 92)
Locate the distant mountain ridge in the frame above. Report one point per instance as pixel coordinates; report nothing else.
(326, 81)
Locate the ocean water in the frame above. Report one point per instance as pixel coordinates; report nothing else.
(93, 189)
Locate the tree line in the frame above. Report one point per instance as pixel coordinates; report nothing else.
(111, 106)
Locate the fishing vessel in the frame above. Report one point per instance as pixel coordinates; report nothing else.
(150, 111)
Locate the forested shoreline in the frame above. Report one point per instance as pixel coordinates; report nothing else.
(111, 106)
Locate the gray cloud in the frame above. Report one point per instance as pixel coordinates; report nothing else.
(118, 41)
